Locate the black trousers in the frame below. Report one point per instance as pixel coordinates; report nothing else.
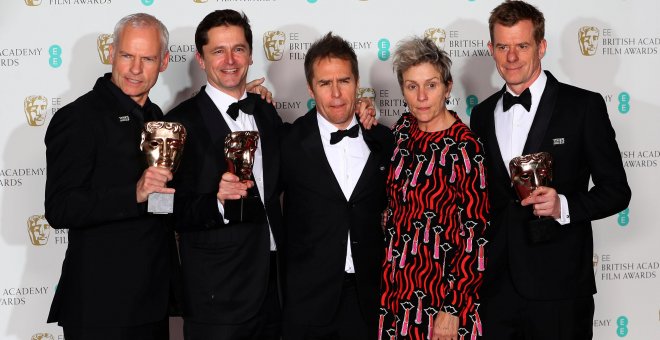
(508, 316)
(152, 331)
(266, 325)
(347, 324)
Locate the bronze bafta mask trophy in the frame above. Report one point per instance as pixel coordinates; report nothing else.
(240, 147)
(529, 172)
(162, 144)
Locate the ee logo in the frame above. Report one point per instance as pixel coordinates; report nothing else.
(624, 102)
(384, 49)
(624, 217)
(55, 52)
(471, 101)
(311, 103)
(622, 326)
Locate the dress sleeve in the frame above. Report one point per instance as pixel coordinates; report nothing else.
(466, 232)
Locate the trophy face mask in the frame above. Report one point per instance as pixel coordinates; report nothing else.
(529, 172)
(162, 144)
(240, 147)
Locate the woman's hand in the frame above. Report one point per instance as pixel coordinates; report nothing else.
(445, 327)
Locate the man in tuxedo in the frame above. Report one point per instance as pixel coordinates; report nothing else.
(333, 176)
(540, 282)
(228, 252)
(115, 278)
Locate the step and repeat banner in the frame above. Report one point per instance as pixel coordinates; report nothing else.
(52, 51)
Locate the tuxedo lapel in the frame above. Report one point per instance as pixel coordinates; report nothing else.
(493, 149)
(313, 147)
(542, 117)
(375, 148)
(216, 127)
(269, 147)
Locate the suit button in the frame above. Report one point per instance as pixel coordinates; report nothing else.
(343, 242)
(516, 201)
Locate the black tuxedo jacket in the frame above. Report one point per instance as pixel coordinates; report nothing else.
(116, 270)
(225, 266)
(318, 219)
(571, 124)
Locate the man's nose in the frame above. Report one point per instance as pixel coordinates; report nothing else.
(136, 66)
(512, 55)
(336, 92)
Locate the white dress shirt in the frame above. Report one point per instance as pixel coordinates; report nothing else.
(347, 159)
(244, 122)
(512, 128)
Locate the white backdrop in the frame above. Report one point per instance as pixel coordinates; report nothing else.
(49, 56)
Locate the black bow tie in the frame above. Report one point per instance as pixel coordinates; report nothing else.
(246, 105)
(525, 99)
(337, 136)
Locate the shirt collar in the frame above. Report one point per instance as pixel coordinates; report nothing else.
(221, 99)
(326, 128)
(536, 89)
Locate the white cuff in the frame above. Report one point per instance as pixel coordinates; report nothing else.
(564, 215)
(221, 209)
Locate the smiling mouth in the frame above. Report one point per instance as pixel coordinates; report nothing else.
(230, 71)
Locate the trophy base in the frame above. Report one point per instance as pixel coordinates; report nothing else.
(542, 230)
(160, 203)
(246, 209)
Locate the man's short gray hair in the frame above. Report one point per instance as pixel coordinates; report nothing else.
(142, 20)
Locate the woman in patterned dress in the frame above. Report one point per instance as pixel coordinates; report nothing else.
(437, 209)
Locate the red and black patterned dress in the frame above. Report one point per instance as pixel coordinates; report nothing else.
(434, 231)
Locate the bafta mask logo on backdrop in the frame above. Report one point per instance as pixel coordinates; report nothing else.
(38, 230)
(437, 35)
(595, 263)
(33, 2)
(588, 40)
(42, 336)
(274, 45)
(35, 108)
(103, 43)
(367, 92)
